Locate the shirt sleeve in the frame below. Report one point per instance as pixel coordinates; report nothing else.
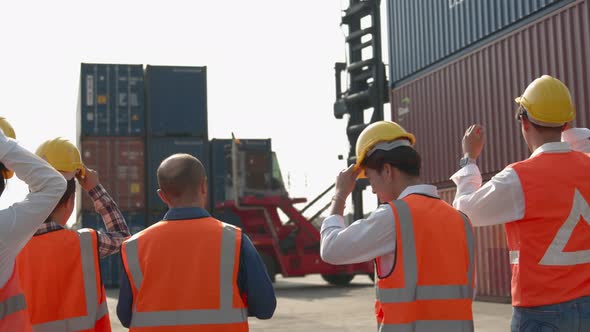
(577, 138)
(125, 304)
(499, 201)
(362, 241)
(109, 242)
(254, 284)
(19, 222)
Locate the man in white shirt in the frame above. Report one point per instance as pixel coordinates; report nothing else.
(419, 286)
(541, 201)
(19, 222)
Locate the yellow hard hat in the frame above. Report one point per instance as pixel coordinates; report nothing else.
(548, 102)
(9, 132)
(63, 156)
(380, 132)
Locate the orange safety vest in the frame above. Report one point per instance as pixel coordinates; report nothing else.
(60, 275)
(13, 313)
(549, 246)
(183, 277)
(431, 285)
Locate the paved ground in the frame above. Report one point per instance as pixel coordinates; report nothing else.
(309, 304)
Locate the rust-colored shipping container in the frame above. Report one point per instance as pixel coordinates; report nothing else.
(481, 86)
(120, 163)
(491, 259)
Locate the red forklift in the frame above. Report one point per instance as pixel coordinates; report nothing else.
(256, 201)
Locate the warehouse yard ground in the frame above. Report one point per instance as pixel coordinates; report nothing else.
(309, 304)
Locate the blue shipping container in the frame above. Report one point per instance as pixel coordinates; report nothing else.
(110, 267)
(422, 34)
(220, 170)
(111, 100)
(160, 148)
(176, 101)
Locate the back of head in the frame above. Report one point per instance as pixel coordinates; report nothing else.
(404, 158)
(6, 173)
(180, 178)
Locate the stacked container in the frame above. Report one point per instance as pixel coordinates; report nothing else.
(455, 63)
(112, 126)
(255, 174)
(176, 103)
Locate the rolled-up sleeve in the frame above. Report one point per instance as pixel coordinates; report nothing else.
(362, 241)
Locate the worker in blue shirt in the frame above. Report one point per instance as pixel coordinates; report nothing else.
(183, 254)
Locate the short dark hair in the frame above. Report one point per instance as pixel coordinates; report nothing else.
(404, 158)
(180, 175)
(70, 191)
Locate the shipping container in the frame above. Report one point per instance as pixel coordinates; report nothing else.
(493, 271)
(111, 266)
(427, 33)
(220, 171)
(111, 100)
(176, 101)
(120, 163)
(480, 88)
(160, 148)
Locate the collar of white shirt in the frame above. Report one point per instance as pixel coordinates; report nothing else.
(553, 147)
(424, 189)
(574, 134)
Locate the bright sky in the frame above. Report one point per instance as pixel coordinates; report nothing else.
(270, 70)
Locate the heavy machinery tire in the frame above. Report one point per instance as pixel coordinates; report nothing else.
(338, 279)
(271, 266)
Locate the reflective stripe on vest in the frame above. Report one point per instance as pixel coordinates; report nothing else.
(412, 293)
(226, 314)
(95, 311)
(12, 304)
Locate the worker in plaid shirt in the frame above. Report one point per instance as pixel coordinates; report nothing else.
(59, 268)
(109, 242)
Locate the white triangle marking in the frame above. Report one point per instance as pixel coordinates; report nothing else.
(555, 256)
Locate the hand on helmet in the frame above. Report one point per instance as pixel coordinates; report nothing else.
(346, 181)
(89, 181)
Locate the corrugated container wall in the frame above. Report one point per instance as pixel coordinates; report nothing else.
(160, 148)
(176, 101)
(120, 162)
(111, 100)
(492, 266)
(424, 33)
(480, 88)
(111, 267)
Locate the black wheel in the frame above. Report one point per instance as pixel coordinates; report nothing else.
(372, 276)
(338, 279)
(271, 266)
